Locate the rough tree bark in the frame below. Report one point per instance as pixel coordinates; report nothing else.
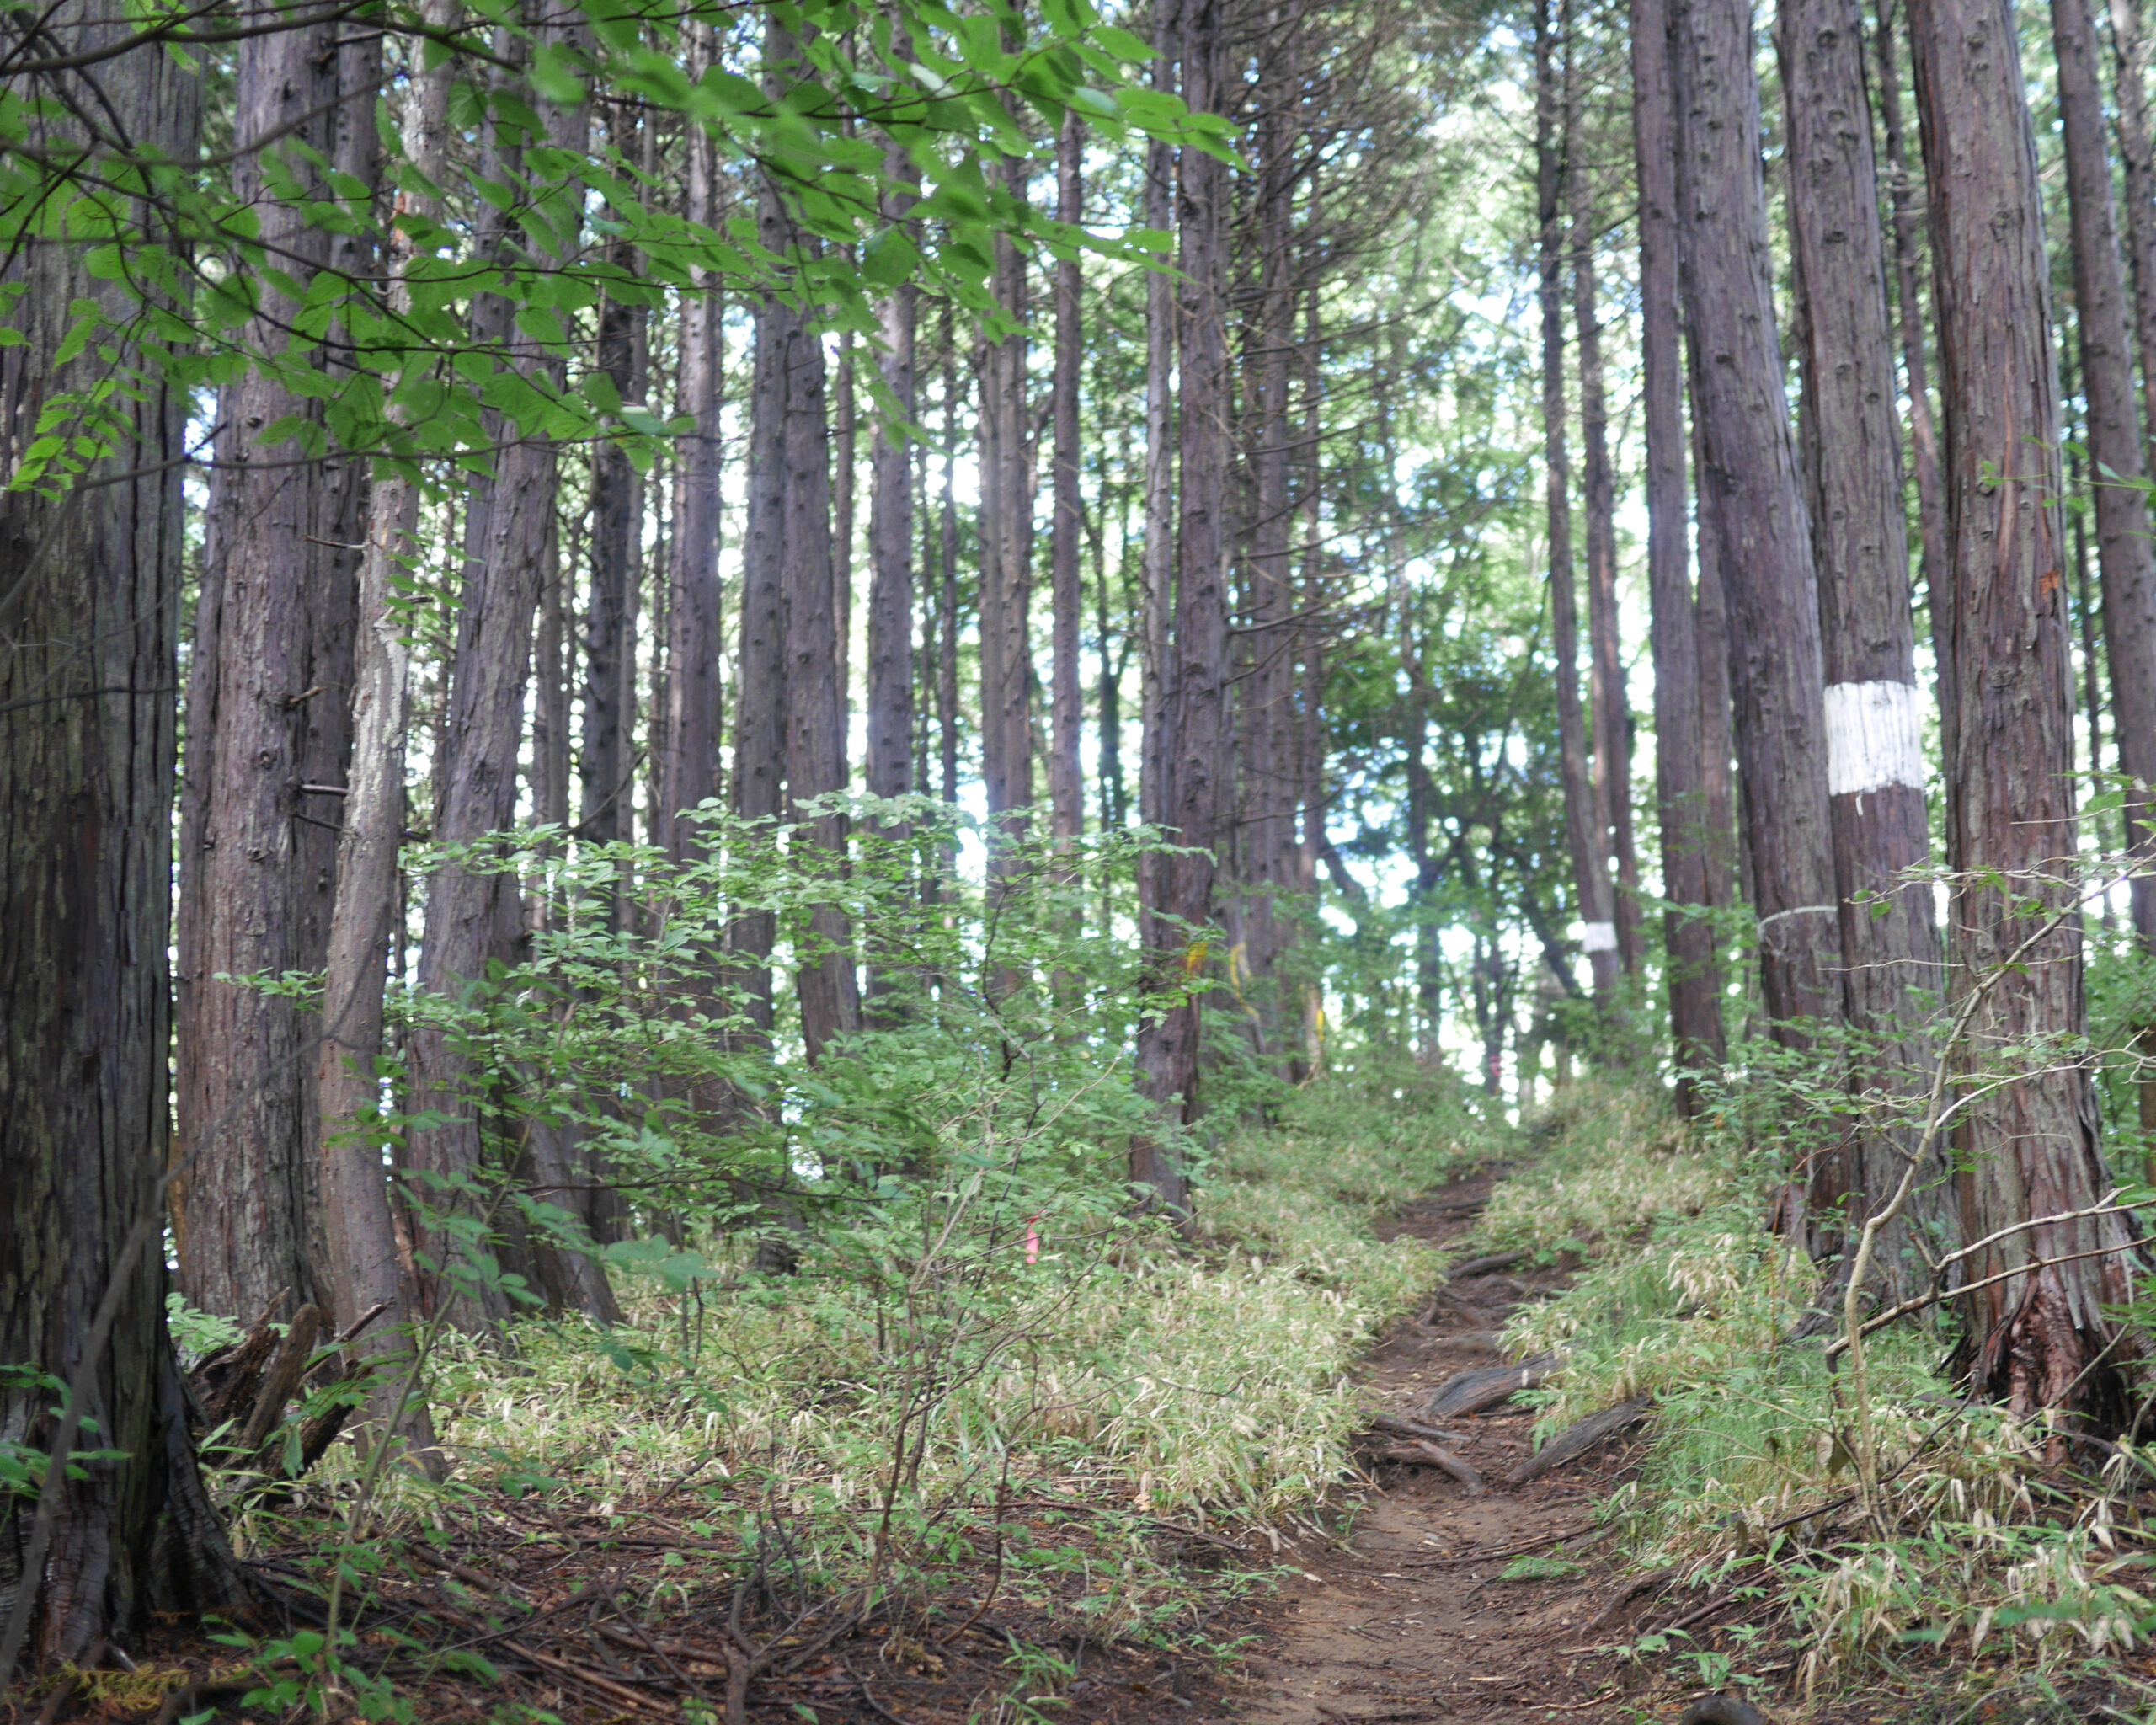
(1168, 1041)
(1750, 468)
(1590, 864)
(1694, 984)
(89, 619)
(269, 735)
(1874, 731)
(2030, 1143)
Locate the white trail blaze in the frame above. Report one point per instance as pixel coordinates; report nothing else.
(1875, 737)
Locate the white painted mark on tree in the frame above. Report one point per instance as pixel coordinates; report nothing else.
(1875, 737)
(1599, 937)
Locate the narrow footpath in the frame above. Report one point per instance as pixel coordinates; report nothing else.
(1412, 1620)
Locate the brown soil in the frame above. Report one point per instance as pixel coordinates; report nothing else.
(1407, 1619)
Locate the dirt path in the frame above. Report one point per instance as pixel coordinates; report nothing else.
(1411, 1622)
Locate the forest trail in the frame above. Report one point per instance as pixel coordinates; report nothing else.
(1410, 1620)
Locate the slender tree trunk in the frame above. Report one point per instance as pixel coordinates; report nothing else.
(474, 916)
(1717, 739)
(1590, 866)
(1687, 937)
(267, 718)
(1607, 697)
(89, 619)
(369, 1265)
(890, 549)
(2125, 555)
(2030, 1143)
(1157, 568)
(947, 662)
(617, 508)
(690, 736)
(1268, 696)
(891, 730)
(1168, 1043)
(1923, 433)
(1065, 777)
(1006, 527)
(1751, 467)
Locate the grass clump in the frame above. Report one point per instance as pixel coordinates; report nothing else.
(1976, 1568)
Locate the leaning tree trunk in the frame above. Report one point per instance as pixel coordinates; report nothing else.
(269, 733)
(474, 915)
(1687, 936)
(1875, 731)
(1590, 867)
(1196, 743)
(89, 617)
(368, 1265)
(2041, 1336)
(1750, 466)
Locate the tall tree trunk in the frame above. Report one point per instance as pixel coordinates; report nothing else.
(617, 498)
(1157, 601)
(1717, 739)
(2030, 1143)
(1006, 529)
(266, 720)
(2125, 555)
(369, 1266)
(1590, 865)
(1168, 1042)
(1750, 466)
(947, 661)
(1875, 730)
(1065, 778)
(891, 730)
(473, 916)
(1687, 937)
(1916, 378)
(1607, 697)
(689, 733)
(89, 616)
(1269, 835)
(890, 544)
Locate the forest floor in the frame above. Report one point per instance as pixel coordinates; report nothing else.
(1406, 1599)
